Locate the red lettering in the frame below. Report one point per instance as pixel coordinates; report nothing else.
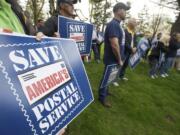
(38, 88)
(55, 76)
(66, 75)
(53, 79)
(30, 92)
(44, 84)
(60, 77)
(49, 82)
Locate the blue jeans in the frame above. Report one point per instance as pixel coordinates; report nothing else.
(103, 92)
(168, 64)
(153, 66)
(96, 51)
(162, 68)
(125, 65)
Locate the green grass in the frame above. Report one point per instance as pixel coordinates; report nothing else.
(140, 106)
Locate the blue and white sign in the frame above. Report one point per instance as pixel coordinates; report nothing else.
(161, 59)
(79, 31)
(44, 85)
(134, 60)
(110, 75)
(178, 52)
(142, 47)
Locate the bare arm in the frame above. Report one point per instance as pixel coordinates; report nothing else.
(116, 50)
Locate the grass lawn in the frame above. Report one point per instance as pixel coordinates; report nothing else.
(140, 106)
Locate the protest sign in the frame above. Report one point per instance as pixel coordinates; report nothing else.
(79, 31)
(142, 47)
(110, 75)
(134, 60)
(178, 52)
(44, 85)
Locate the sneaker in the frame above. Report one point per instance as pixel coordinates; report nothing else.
(152, 77)
(115, 84)
(98, 61)
(125, 79)
(105, 103)
(156, 76)
(166, 74)
(109, 94)
(163, 75)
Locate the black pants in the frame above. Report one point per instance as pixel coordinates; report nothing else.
(125, 65)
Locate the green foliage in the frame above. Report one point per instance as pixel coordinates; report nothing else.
(141, 106)
(99, 12)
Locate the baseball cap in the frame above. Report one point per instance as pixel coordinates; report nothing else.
(67, 1)
(120, 5)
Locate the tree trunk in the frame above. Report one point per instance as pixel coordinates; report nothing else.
(176, 25)
(104, 19)
(52, 7)
(34, 9)
(91, 11)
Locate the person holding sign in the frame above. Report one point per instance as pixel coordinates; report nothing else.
(100, 40)
(113, 51)
(130, 43)
(142, 49)
(65, 8)
(156, 54)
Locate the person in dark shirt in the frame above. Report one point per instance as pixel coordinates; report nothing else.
(65, 8)
(114, 40)
(156, 55)
(40, 24)
(96, 43)
(174, 45)
(130, 45)
(99, 42)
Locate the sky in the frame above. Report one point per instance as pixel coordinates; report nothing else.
(136, 7)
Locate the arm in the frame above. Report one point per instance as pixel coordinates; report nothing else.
(116, 50)
(174, 45)
(50, 27)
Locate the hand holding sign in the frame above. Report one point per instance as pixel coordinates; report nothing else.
(142, 47)
(111, 74)
(40, 85)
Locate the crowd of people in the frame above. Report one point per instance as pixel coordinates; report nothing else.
(119, 43)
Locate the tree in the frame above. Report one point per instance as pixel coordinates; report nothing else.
(143, 19)
(174, 5)
(155, 22)
(106, 14)
(52, 6)
(176, 25)
(35, 9)
(99, 13)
